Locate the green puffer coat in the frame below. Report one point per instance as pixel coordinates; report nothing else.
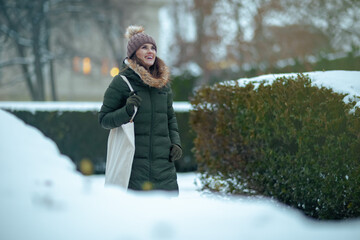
(155, 124)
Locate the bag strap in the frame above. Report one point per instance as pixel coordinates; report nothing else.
(131, 89)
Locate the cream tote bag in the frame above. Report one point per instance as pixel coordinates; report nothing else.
(120, 152)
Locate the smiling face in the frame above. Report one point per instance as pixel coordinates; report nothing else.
(147, 54)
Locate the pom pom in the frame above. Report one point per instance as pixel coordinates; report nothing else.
(132, 30)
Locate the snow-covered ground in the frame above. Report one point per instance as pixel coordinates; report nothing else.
(42, 196)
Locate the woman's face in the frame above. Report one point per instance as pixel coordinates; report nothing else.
(147, 54)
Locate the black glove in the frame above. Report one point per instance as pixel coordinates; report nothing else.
(175, 152)
(133, 100)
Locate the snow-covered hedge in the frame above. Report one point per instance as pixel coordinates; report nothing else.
(289, 140)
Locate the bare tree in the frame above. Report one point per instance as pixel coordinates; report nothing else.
(28, 26)
(12, 28)
(264, 32)
(336, 19)
(205, 30)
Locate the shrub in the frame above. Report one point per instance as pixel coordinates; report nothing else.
(183, 85)
(79, 136)
(289, 140)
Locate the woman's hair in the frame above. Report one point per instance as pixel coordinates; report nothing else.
(154, 70)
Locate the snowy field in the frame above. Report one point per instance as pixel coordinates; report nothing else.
(44, 197)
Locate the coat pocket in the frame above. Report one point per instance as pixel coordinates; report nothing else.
(161, 101)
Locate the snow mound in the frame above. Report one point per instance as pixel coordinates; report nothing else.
(43, 197)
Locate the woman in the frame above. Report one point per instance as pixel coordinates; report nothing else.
(157, 141)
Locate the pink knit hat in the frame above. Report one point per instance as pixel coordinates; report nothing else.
(137, 37)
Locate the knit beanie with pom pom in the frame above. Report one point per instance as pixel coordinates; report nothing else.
(137, 37)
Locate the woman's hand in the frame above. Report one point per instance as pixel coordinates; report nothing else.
(133, 100)
(175, 152)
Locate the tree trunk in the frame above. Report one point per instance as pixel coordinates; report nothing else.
(27, 76)
(51, 62)
(20, 50)
(37, 63)
(36, 46)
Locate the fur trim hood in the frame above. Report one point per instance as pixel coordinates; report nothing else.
(145, 75)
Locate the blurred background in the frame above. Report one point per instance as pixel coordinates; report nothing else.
(68, 50)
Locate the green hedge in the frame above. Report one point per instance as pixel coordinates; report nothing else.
(79, 136)
(289, 141)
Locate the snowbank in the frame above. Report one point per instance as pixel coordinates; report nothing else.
(43, 197)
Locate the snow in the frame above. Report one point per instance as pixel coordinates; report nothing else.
(347, 82)
(338, 80)
(44, 197)
(51, 106)
(70, 106)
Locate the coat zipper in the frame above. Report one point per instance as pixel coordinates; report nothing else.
(151, 135)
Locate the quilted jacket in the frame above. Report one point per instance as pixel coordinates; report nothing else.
(155, 125)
